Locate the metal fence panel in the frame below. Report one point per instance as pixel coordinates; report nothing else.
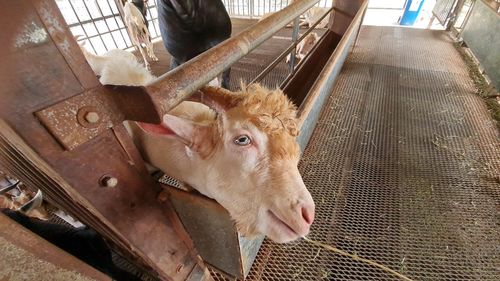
(99, 23)
(481, 33)
(442, 10)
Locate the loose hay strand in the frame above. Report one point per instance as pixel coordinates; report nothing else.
(357, 258)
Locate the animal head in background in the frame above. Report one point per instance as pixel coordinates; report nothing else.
(306, 45)
(249, 155)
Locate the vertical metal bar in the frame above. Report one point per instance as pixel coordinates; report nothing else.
(116, 21)
(295, 35)
(151, 16)
(84, 31)
(119, 5)
(251, 8)
(105, 22)
(93, 22)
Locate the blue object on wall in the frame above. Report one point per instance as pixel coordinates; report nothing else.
(411, 11)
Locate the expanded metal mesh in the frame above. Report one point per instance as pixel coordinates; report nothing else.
(403, 166)
(442, 10)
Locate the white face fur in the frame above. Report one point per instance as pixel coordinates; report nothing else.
(251, 173)
(263, 195)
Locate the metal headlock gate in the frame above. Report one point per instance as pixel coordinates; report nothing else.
(47, 87)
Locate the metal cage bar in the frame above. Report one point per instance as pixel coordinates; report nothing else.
(119, 35)
(287, 51)
(181, 82)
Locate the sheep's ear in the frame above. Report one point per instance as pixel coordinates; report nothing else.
(197, 137)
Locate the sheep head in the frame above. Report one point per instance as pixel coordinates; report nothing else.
(247, 158)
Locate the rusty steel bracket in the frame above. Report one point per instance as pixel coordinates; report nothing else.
(81, 118)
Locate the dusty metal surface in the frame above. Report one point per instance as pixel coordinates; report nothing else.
(95, 113)
(402, 168)
(482, 36)
(212, 230)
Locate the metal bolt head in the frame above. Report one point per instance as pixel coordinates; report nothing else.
(109, 181)
(179, 268)
(92, 117)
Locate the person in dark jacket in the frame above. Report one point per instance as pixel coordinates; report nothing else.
(190, 27)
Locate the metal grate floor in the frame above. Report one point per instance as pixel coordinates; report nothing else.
(403, 166)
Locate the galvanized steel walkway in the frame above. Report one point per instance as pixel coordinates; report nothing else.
(403, 167)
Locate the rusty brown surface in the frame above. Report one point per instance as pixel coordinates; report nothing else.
(63, 38)
(25, 254)
(127, 214)
(60, 120)
(39, 72)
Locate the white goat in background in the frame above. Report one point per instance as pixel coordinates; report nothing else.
(118, 67)
(138, 30)
(305, 46)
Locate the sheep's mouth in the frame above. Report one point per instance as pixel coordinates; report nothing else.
(282, 224)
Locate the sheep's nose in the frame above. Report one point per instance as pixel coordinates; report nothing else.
(308, 213)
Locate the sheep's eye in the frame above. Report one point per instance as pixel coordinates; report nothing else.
(242, 140)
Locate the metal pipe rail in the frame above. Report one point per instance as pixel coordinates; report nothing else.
(292, 46)
(177, 85)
